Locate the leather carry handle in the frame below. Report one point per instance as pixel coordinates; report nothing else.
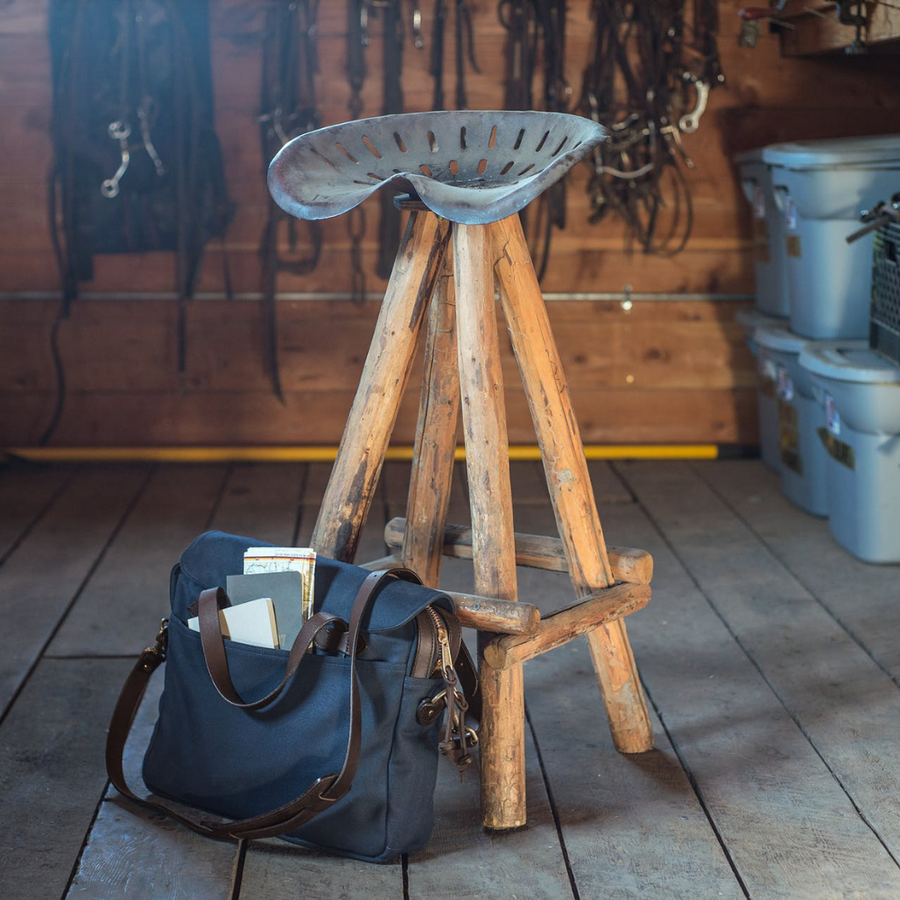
(321, 794)
(217, 662)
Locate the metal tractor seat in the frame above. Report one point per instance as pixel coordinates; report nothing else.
(469, 167)
(467, 174)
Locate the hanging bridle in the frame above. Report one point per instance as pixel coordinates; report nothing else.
(289, 108)
(649, 82)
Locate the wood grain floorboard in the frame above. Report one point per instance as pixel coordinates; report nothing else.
(632, 825)
(47, 570)
(529, 485)
(25, 492)
(52, 773)
(133, 852)
(790, 828)
(845, 702)
(371, 544)
(120, 608)
(864, 598)
(262, 501)
(463, 860)
(608, 487)
(774, 763)
(316, 482)
(275, 870)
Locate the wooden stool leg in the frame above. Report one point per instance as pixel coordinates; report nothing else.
(568, 480)
(373, 414)
(432, 471)
(502, 735)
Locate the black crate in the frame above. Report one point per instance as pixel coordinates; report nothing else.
(884, 327)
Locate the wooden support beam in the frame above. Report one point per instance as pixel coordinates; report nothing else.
(432, 471)
(533, 550)
(367, 433)
(568, 480)
(502, 734)
(500, 616)
(481, 613)
(556, 629)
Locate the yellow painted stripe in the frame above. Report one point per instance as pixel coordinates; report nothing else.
(328, 453)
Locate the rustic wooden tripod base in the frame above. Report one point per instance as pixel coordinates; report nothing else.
(462, 362)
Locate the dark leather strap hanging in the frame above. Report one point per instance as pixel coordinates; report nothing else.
(392, 69)
(391, 13)
(137, 165)
(357, 42)
(536, 32)
(438, 31)
(651, 69)
(464, 47)
(289, 109)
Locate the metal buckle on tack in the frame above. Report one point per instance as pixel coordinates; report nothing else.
(151, 657)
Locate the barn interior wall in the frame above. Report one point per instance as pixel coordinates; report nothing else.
(660, 371)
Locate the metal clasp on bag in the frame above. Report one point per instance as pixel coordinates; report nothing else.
(151, 657)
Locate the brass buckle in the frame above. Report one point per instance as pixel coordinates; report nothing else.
(151, 657)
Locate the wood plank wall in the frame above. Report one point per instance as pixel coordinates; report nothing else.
(660, 372)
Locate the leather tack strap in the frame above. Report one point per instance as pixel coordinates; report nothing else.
(320, 794)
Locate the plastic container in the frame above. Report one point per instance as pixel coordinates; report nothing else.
(859, 395)
(802, 458)
(767, 406)
(769, 256)
(820, 188)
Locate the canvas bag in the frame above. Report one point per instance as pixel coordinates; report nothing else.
(357, 711)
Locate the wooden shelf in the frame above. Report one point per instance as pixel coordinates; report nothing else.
(813, 28)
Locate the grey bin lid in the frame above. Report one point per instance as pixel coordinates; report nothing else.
(777, 337)
(881, 151)
(848, 361)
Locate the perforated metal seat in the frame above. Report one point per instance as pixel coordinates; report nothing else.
(468, 167)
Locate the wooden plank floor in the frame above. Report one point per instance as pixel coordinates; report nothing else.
(770, 658)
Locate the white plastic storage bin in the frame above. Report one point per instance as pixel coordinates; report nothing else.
(859, 393)
(820, 188)
(802, 458)
(769, 256)
(767, 406)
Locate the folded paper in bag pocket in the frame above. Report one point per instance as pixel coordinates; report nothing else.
(249, 623)
(286, 591)
(260, 560)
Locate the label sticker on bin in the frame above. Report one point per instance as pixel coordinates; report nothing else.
(832, 417)
(785, 385)
(766, 367)
(790, 214)
(759, 202)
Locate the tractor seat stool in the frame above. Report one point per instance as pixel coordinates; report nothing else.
(466, 175)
